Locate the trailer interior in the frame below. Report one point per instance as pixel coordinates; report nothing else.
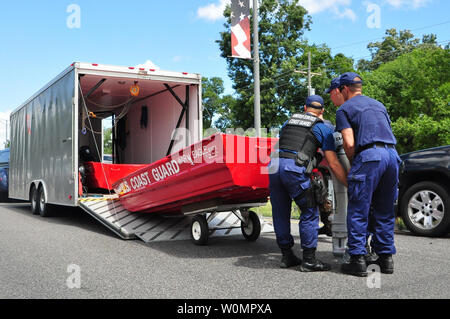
(150, 119)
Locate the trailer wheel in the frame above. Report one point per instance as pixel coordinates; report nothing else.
(199, 230)
(252, 229)
(43, 207)
(34, 200)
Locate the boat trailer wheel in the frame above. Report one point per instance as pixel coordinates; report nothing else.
(199, 230)
(251, 229)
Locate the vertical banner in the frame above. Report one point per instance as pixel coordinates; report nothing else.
(240, 29)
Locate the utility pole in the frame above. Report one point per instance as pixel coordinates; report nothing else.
(309, 74)
(257, 104)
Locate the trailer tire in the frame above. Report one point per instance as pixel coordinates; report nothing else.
(199, 230)
(43, 207)
(34, 199)
(252, 230)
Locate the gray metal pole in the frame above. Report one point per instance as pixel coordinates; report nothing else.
(309, 74)
(256, 69)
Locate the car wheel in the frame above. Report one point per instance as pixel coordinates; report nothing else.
(425, 209)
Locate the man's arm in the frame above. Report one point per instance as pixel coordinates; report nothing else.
(336, 167)
(349, 143)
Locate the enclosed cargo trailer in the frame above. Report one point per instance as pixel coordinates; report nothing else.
(57, 141)
(49, 131)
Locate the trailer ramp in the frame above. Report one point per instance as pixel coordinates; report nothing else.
(155, 227)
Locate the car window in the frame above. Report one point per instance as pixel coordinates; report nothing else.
(4, 156)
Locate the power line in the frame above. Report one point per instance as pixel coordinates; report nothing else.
(327, 67)
(365, 41)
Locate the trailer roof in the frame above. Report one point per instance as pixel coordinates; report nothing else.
(121, 71)
(139, 72)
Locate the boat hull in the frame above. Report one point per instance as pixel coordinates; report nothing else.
(222, 169)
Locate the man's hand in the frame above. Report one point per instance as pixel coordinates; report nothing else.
(336, 167)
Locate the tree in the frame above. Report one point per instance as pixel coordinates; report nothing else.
(216, 105)
(393, 45)
(415, 89)
(283, 50)
(107, 141)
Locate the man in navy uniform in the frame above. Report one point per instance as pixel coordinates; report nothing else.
(373, 178)
(335, 95)
(290, 169)
(337, 99)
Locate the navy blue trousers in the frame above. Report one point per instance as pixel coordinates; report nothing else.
(287, 182)
(373, 179)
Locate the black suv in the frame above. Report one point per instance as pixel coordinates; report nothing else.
(423, 201)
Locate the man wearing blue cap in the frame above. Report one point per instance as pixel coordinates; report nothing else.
(300, 138)
(337, 99)
(370, 146)
(335, 95)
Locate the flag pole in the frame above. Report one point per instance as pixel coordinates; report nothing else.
(257, 104)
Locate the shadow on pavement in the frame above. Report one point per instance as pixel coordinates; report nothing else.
(262, 254)
(64, 215)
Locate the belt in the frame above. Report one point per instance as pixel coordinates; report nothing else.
(377, 144)
(289, 155)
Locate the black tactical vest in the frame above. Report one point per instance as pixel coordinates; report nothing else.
(297, 135)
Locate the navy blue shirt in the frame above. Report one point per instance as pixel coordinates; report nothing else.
(369, 120)
(324, 135)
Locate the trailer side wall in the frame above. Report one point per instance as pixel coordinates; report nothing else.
(42, 144)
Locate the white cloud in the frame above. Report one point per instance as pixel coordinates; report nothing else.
(339, 8)
(316, 6)
(213, 11)
(148, 65)
(346, 13)
(415, 4)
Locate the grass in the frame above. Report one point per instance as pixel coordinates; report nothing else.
(266, 211)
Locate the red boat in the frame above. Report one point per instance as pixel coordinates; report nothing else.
(222, 169)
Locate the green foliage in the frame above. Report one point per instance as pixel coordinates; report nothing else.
(393, 45)
(421, 132)
(415, 88)
(107, 141)
(216, 106)
(282, 51)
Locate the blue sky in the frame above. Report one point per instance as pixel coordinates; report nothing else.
(179, 35)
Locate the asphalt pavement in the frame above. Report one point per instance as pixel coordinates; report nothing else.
(49, 257)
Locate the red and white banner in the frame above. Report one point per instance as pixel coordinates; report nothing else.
(240, 29)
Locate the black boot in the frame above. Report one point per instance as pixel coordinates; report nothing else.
(289, 259)
(356, 266)
(310, 263)
(370, 257)
(386, 263)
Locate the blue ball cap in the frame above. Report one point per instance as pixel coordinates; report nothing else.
(348, 78)
(335, 83)
(314, 101)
